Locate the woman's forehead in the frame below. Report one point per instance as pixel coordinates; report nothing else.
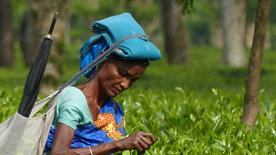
(129, 65)
(117, 58)
(135, 70)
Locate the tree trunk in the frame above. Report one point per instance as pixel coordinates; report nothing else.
(216, 36)
(251, 107)
(42, 13)
(233, 13)
(249, 35)
(6, 36)
(174, 33)
(27, 41)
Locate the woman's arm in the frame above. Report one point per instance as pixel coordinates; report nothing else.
(65, 134)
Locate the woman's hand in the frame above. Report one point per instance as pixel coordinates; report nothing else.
(65, 134)
(140, 141)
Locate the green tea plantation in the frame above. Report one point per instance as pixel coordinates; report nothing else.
(191, 109)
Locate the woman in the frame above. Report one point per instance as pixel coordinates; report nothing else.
(87, 119)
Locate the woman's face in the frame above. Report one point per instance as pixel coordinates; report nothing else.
(117, 76)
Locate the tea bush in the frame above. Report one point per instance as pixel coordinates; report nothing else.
(191, 109)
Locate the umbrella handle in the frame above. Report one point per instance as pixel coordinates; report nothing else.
(53, 23)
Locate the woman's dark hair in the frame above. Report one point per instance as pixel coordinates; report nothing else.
(115, 57)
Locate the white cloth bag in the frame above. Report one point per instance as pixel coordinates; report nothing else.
(20, 135)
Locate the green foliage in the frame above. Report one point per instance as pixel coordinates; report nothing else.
(252, 8)
(18, 9)
(202, 22)
(272, 16)
(186, 5)
(273, 36)
(8, 103)
(84, 12)
(191, 109)
(143, 13)
(190, 125)
(199, 32)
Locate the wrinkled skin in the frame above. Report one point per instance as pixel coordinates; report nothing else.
(112, 77)
(117, 76)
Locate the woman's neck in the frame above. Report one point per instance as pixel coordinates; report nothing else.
(93, 92)
(94, 96)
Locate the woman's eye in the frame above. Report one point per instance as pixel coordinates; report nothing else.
(123, 74)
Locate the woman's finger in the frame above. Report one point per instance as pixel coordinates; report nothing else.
(137, 146)
(147, 141)
(143, 145)
(150, 135)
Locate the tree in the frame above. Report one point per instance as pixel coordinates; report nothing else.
(27, 41)
(174, 32)
(233, 13)
(6, 35)
(251, 107)
(147, 14)
(40, 16)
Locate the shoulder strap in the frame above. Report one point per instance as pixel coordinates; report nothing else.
(74, 79)
(38, 105)
(98, 60)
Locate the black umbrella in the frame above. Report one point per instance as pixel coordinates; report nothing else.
(31, 88)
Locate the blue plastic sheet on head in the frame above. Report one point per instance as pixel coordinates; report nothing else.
(123, 25)
(109, 31)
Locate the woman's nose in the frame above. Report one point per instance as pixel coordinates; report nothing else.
(126, 83)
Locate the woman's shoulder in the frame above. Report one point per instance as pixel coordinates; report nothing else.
(72, 93)
(72, 108)
(72, 97)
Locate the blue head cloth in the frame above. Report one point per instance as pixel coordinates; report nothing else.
(91, 52)
(109, 31)
(123, 25)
